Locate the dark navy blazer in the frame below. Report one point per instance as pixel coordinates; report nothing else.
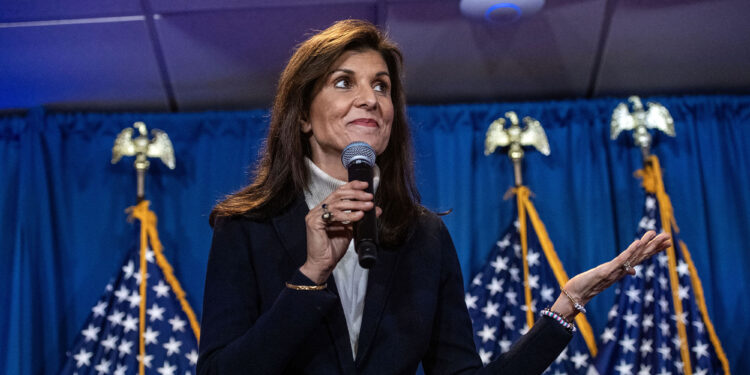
(414, 309)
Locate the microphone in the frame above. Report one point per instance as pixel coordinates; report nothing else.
(358, 159)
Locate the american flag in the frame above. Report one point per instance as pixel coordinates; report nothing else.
(642, 335)
(109, 340)
(497, 305)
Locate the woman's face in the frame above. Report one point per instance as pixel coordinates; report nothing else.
(353, 104)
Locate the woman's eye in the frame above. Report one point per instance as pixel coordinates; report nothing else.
(341, 83)
(381, 87)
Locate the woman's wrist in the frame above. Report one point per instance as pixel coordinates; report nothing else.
(563, 307)
(317, 274)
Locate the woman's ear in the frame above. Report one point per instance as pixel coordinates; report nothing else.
(305, 126)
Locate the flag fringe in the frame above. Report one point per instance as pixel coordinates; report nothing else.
(150, 234)
(698, 290)
(524, 203)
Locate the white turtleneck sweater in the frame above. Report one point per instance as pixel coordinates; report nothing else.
(351, 279)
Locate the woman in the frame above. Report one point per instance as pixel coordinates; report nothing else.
(284, 293)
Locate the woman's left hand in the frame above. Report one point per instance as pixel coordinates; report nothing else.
(585, 286)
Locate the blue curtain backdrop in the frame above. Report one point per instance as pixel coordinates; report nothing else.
(64, 232)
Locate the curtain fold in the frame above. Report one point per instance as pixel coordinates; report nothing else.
(64, 230)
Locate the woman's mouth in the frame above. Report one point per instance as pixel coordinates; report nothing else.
(368, 122)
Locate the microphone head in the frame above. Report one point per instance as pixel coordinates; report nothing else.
(359, 152)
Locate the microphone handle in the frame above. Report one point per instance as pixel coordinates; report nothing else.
(365, 230)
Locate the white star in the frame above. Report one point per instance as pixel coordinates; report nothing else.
(83, 358)
(192, 357)
(178, 325)
(683, 291)
(676, 342)
(102, 367)
(628, 344)
(122, 293)
(495, 286)
(485, 356)
(633, 294)
(665, 352)
(125, 347)
(167, 369)
(138, 277)
(534, 281)
(134, 299)
(698, 326)
(664, 327)
(662, 259)
(490, 309)
(580, 359)
(608, 335)
(700, 371)
(155, 312)
(682, 317)
(471, 301)
(130, 323)
(149, 255)
(508, 320)
(487, 333)
(533, 306)
(517, 250)
(547, 294)
(563, 356)
(648, 321)
(172, 347)
(650, 272)
(100, 309)
(682, 268)
(650, 203)
(664, 371)
(120, 370)
(680, 366)
(110, 343)
(663, 282)
(631, 319)
(128, 269)
(532, 258)
(145, 359)
(645, 369)
(663, 304)
(524, 330)
(116, 318)
(624, 368)
(646, 347)
(647, 223)
(504, 345)
(514, 271)
(150, 336)
(700, 349)
(505, 242)
(517, 224)
(511, 296)
(477, 280)
(612, 313)
(499, 264)
(648, 298)
(161, 289)
(91, 333)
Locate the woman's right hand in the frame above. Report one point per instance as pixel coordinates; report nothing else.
(327, 241)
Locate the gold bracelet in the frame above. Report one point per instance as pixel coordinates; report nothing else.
(575, 303)
(307, 287)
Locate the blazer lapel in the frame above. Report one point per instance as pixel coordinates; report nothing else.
(290, 227)
(378, 287)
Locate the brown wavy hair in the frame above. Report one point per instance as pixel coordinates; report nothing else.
(281, 174)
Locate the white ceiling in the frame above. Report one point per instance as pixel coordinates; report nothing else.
(186, 55)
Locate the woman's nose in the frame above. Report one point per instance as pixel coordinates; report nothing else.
(366, 97)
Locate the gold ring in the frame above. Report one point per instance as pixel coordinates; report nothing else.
(327, 215)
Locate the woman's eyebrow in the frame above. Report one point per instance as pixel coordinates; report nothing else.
(351, 72)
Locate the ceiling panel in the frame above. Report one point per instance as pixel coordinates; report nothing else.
(89, 66)
(33, 10)
(167, 6)
(677, 47)
(232, 59)
(450, 58)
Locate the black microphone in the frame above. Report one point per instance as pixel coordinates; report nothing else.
(358, 159)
